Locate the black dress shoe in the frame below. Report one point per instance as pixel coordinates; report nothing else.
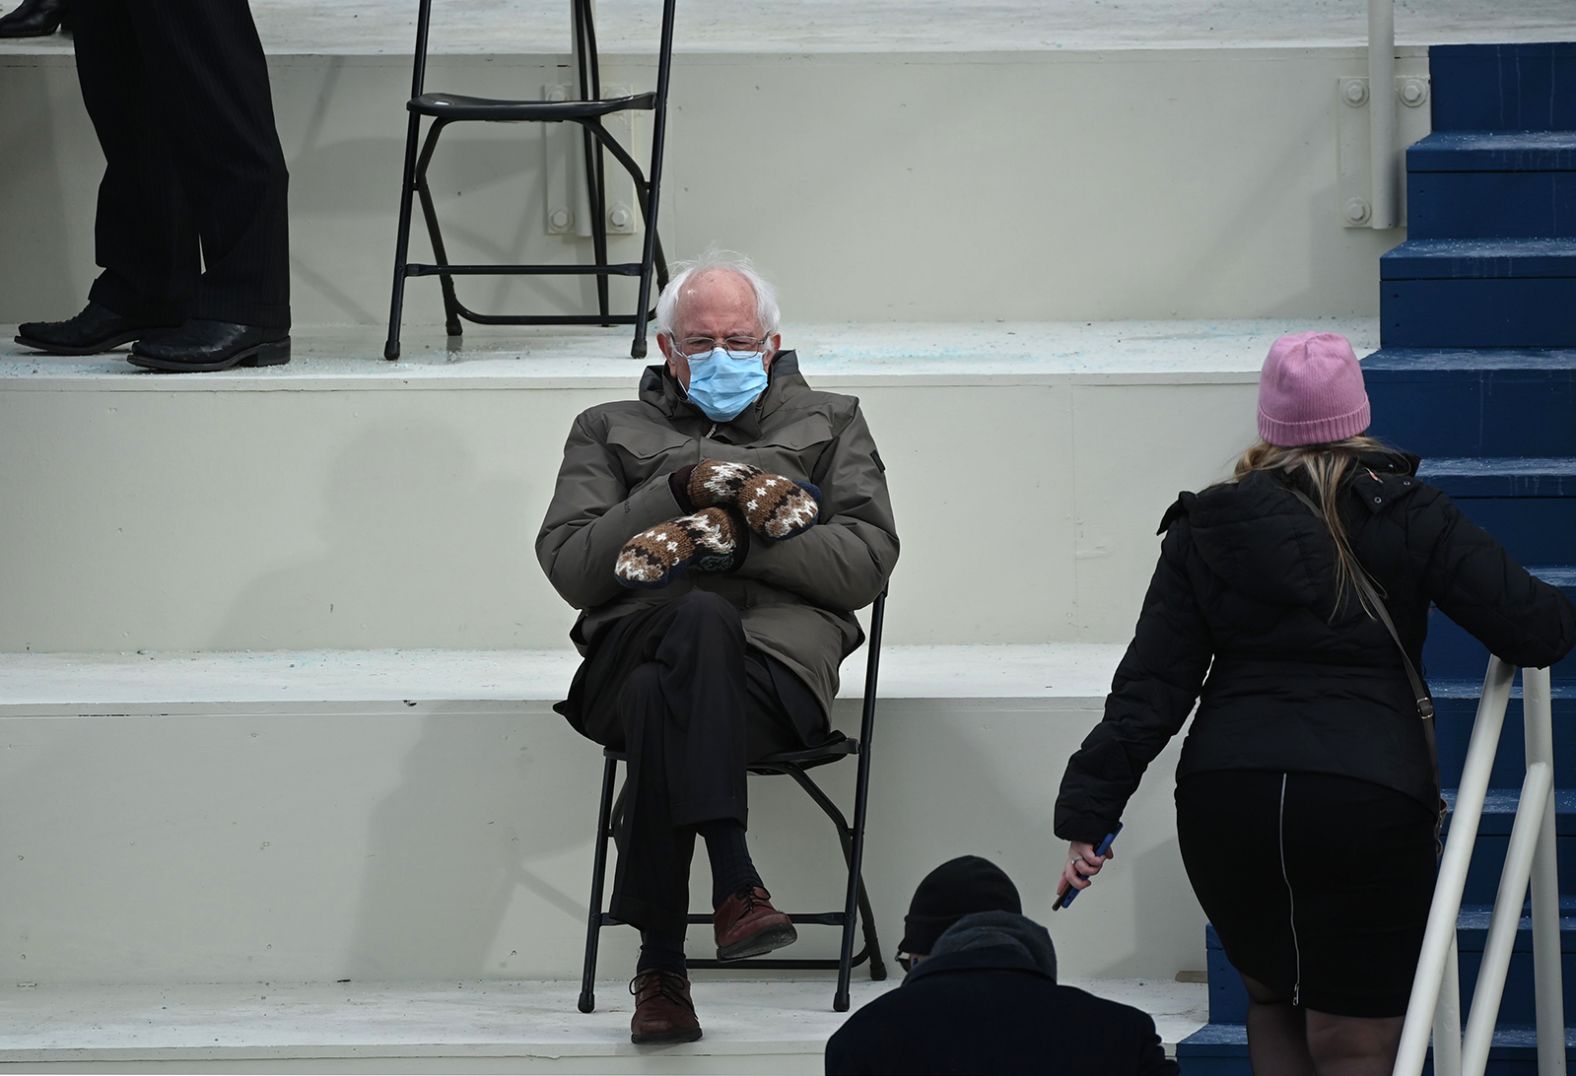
(212, 345)
(34, 18)
(96, 329)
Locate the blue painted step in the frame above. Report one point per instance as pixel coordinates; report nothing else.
(1222, 1050)
(1455, 702)
(1494, 151)
(1488, 184)
(1528, 505)
(1456, 293)
(1452, 653)
(1460, 402)
(1488, 854)
(1228, 1002)
(1517, 1005)
(1503, 87)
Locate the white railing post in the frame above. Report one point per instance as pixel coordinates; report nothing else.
(1538, 717)
(1447, 1017)
(1531, 858)
(1536, 791)
(1382, 155)
(1439, 936)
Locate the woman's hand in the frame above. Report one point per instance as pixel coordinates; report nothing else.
(1081, 866)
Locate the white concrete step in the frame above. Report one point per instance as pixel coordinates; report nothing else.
(346, 502)
(424, 816)
(811, 27)
(530, 680)
(1014, 161)
(775, 1026)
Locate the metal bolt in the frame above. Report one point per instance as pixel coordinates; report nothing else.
(1358, 210)
(1354, 91)
(1414, 91)
(619, 217)
(559, 220)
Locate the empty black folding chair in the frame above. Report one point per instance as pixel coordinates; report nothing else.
(856, 905)
(589, 111)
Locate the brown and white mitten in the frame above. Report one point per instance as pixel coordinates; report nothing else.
(773, 506)
(708, 541)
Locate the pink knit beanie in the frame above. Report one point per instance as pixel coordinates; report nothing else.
(1311, 391)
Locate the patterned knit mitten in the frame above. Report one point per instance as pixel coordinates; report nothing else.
(707, 541)
(773, 506)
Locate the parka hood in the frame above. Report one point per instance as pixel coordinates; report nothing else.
(991, 930)
(1266, 543)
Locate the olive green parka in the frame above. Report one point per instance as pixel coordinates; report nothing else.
(796, 598)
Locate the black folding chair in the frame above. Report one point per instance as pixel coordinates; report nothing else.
(856, 905)
(588, 111)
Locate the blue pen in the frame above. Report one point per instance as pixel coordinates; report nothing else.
(1103, 850)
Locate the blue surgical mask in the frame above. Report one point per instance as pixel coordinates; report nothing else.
(723, 383)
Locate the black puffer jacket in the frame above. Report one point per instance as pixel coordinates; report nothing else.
(1246, 581)
(986, 1000)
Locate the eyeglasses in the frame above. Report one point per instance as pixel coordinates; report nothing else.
(906, 962)
(700, 345)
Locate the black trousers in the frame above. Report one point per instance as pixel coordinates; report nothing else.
(192, 217)
(678, 690)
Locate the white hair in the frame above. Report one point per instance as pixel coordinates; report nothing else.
(766, 311)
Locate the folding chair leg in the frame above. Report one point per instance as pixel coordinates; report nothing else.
(429, 211)
(659, 133)
(854, 904)
(596, 181)
(878, 971)
(402, 243)
(598, 877)
(856, 900)
(589, 69)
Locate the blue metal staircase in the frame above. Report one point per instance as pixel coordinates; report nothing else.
(1477, 373)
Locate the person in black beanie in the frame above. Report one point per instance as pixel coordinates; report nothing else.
(981, 996)
(957, 888)
(192, 229)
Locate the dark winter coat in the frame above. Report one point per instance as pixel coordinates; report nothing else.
(1246, 581)
(986, 1001)
(797, 598)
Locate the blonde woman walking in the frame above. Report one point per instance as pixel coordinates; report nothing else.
(1307, 790)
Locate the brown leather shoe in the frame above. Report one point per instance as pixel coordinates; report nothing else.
(747, 925)
(663, 1009)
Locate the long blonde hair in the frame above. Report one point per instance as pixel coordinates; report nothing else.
(1327, 466)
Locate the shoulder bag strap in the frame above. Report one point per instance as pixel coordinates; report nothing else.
(1425, 701)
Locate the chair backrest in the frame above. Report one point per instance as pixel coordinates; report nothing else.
(418, 78)
(587, 60)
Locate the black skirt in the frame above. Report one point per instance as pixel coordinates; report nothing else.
(1319, 886)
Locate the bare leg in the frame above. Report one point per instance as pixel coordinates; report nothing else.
(1353, 1045)
(1277, 1036)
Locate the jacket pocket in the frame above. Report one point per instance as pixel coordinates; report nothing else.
(645, 452)
(795, 450)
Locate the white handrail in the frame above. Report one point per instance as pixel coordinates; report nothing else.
(1384, 161)
(1447, 1017)
(1440, 935)
(1538, 703)
(1535, 790)
(1436, 988)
